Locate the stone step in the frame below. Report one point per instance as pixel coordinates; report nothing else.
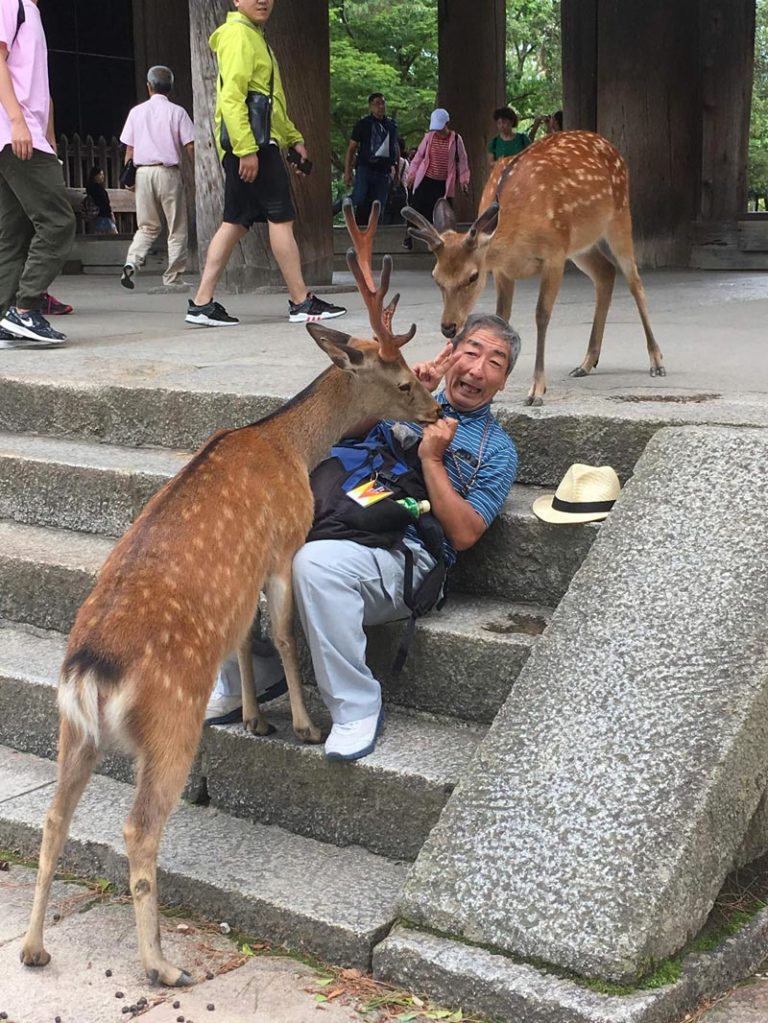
(171, 410)
(462, 660)
(333, 903)
(387, 802)
(100, 488)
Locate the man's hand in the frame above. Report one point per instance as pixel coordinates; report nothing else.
(21, 139)
(431, 373)
(249, 167)
(301, 149)
(436, 440)
(465, 188)
(348, 179)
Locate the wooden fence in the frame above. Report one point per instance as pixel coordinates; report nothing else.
(78, 156)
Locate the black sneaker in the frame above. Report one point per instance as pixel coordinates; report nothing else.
(212, 314)
(126, 277)
(313, 308)
(31, 326)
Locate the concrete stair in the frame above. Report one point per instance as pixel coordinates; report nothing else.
(262, 880)
(74, 485)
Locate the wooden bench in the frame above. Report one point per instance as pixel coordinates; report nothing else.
(122, 201)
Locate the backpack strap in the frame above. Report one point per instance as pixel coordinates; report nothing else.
(21, 17)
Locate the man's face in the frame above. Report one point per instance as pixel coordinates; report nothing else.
(480, 371)
(257, 11)
(378, 107)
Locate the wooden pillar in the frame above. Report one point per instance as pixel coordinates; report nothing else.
(471, 50)
(727, 51)
(649, 106)
(298, 34)
(578, 22)
(161, 35)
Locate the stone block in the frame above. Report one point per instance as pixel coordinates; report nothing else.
(614, 789)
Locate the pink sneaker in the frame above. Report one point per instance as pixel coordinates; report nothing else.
(51, 306)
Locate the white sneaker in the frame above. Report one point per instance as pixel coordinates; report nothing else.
(268, 676)
(355, 739)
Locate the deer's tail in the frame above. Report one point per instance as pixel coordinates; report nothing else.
(91, 697)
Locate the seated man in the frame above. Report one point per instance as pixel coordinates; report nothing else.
(468, 463)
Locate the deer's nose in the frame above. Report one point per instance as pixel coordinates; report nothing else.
(448, 329)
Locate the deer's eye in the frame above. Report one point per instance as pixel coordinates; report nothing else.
(474, 277)
(405, 387)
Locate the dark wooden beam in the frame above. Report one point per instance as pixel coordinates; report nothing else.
(161, 36)
(727, 29)
(648, 105)
(578, 20)
(471, 50)
(298, 34)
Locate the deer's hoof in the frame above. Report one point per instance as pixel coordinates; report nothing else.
(311, 734)
(658, 371)
(34, 958)
(535, 400)
(579, 372)
(260, 727)
(170, 975)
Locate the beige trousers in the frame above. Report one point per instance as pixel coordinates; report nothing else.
(160, 194)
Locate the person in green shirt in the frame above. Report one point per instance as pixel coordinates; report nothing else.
(256, 185)
(507, 142)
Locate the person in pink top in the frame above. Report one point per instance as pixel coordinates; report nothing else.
(439, 165)
(156, 134)
(37, 224)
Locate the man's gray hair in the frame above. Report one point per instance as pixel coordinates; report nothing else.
(494, 325)
(160, 78)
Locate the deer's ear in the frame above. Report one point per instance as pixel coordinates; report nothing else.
(444, 218)
(485, 224)
(336, 346)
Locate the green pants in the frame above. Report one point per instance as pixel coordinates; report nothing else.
(37, 227)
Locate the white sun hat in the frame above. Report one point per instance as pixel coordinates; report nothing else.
(586, 494)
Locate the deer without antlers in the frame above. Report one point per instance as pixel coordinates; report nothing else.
(554, 201)
(179, 592)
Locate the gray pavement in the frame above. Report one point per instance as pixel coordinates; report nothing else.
(711, 326)
(89, 934)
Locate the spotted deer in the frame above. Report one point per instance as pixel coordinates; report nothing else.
(554, 201)
(179, 592)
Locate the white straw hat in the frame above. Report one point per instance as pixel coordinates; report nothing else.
(586, 494)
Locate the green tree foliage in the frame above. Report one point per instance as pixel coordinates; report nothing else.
(758, 134)
(534, 70)
(390, 46)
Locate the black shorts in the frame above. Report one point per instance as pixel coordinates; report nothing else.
(266, 198)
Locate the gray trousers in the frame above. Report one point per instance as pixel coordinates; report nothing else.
(340, 586)
(37, 227)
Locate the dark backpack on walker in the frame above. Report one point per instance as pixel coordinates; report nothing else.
(381, 456)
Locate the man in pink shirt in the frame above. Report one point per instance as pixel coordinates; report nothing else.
(37, 225)
(155, 135)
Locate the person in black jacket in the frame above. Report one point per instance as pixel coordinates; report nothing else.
(374, 140)
(105, 222)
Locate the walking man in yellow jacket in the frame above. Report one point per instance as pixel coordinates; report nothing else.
(256, 186)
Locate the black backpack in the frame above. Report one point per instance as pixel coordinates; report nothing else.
(380, 455)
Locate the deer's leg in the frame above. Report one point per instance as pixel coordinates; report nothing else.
(505, 292)
(602, 273)
(280, 599)
(163, 766)
(254, 719)
(551, 278)
(619, 238)
(76, 763)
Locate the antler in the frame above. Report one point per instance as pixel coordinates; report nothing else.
(422, 229)
(359, 262)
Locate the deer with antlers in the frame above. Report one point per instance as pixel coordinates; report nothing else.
(554, 201)
(180, 589)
